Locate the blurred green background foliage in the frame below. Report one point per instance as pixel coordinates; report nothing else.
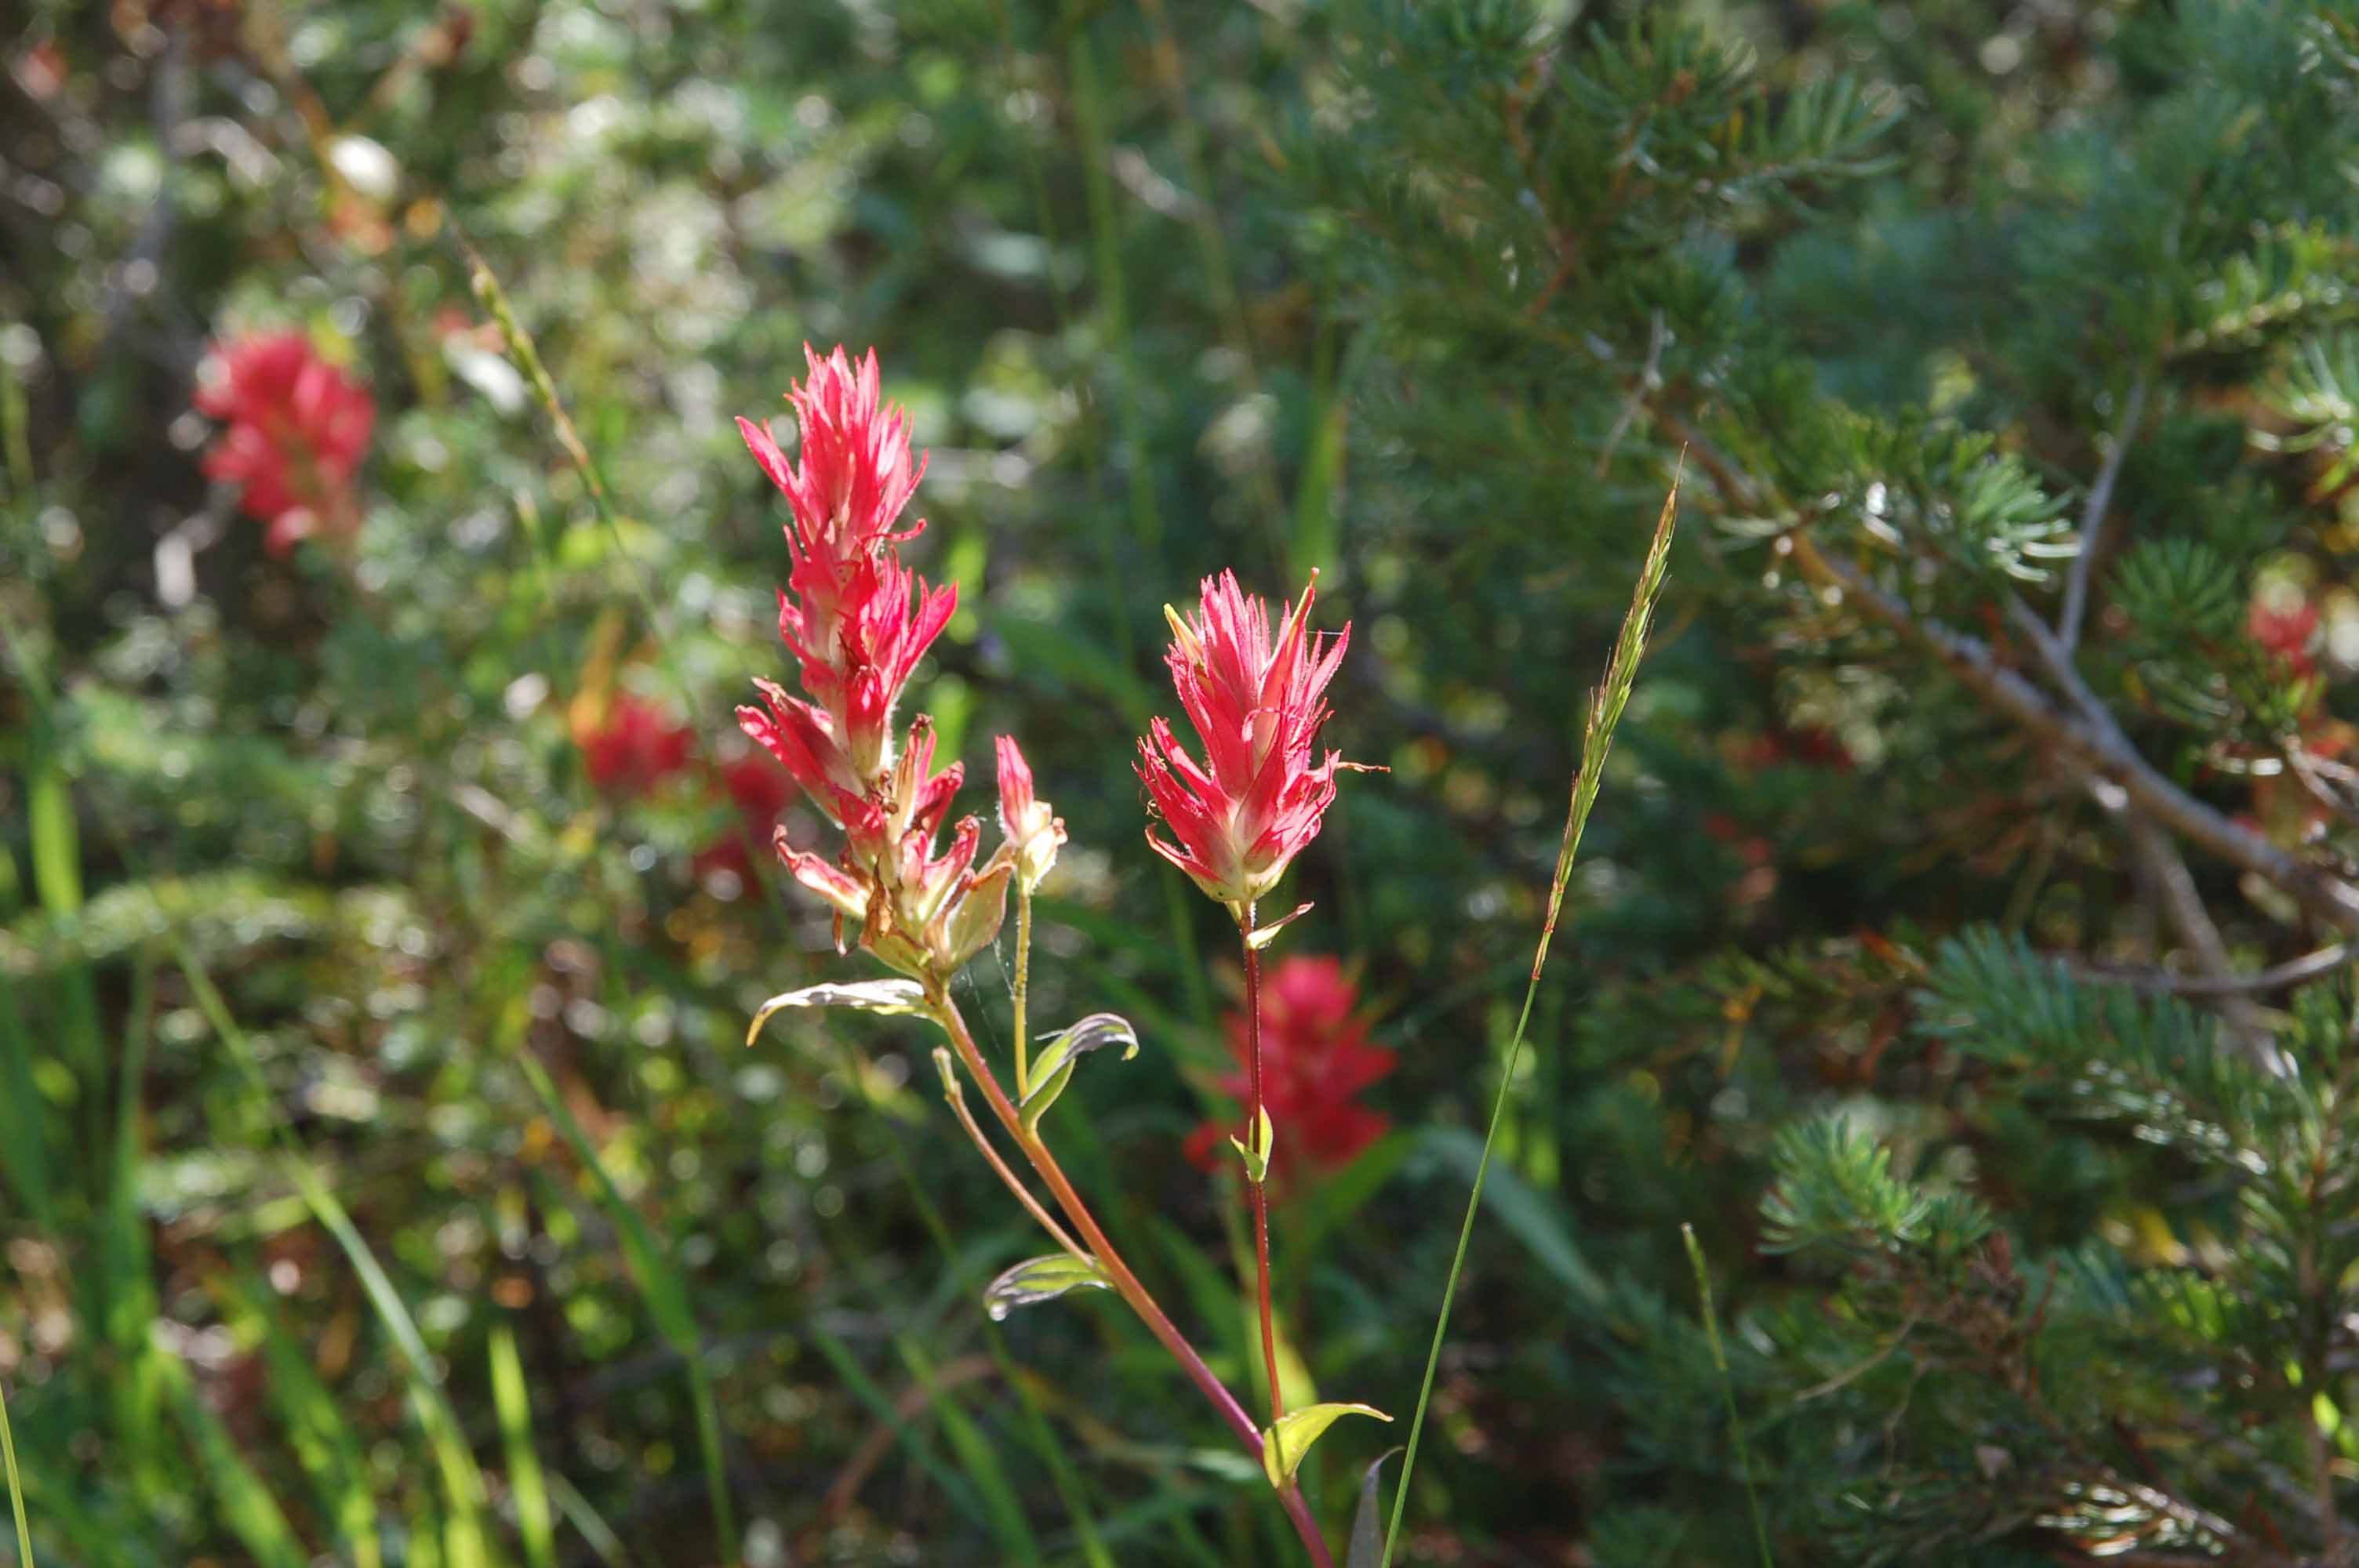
(383, 1177)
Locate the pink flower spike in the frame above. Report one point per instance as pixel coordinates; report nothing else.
(1257, 704)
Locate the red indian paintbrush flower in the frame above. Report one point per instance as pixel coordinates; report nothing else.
(634, 747)
(297, 430)
(847, 611)
(1256, 705)
(1315, 1059)
(858, 622)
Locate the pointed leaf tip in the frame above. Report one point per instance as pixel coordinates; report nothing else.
(1367, 1548)
(1283, 1446)
(1263, 937)
(1054, 1068)
(1039, 1280)
(868, 996)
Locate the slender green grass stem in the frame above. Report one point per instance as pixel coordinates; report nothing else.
(1605, 707)
(15, 1487)
(1728, 1391)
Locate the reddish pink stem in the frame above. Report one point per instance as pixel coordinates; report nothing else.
(1126, 1284)
(1258, 1187)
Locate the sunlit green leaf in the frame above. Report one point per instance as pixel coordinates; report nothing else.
(889, 997)
(1041, 1280)
(1054, 1068)
(1284, 1445)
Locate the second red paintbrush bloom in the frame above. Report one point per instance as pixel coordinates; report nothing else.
(297, 430)
(1316, 1058)
(1256, 701)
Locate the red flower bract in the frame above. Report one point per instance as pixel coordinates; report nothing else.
(847, 611)
(858, 622)
(1315, 1058)
(297, 430)
(1257, 703)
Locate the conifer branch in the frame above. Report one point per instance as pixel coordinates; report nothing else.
(2092, 520)
(2093, 744)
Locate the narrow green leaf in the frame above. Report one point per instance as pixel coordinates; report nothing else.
(889, 997)
(955, 1486)
(24, 1142)
(1054, 1068)
(1728, 1390)
(1537, 1220)
(514, 1407)
(246, 1505)
(1041, 1280)
(589, 1523)
(663, 1288)
(1257, 1155)
(977, 1453)
(127, 1259)
(456, 1460)
(1284, 1445)
(325, 1442)
(57, 855)
(1368, 1523)
(16, 1486)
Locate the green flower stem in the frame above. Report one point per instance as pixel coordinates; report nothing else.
(1023, 981)
(1126, 1284)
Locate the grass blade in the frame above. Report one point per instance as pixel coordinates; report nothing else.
(1728, 1388)
(666, 1292)
(588, 1523)
(16, 1486)
(24, 1149)
(524, 1484)
(1605, 706)
(466, 1538)
(325, 1443)
(252, 1514)
(955, 1486)
(976, 1456)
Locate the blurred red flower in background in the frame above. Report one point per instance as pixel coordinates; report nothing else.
(297, 430)
(633, 748)
(2284, 621)
(1316, 1059)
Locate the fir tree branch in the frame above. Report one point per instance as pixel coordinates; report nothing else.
(2095, 748)
(2183, 902)
(2092, 520)
(2276, 977)
(2098, 751)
